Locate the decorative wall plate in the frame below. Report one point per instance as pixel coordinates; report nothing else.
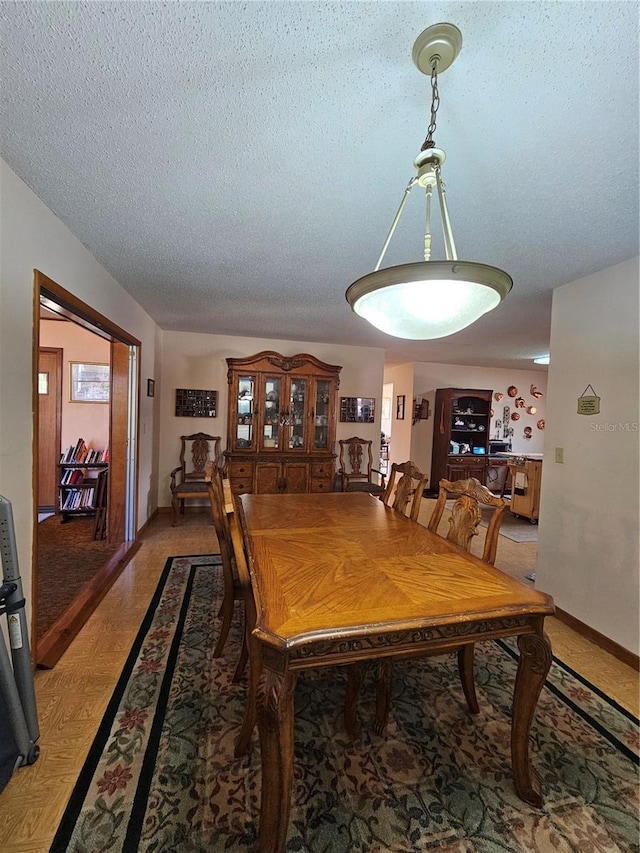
(527, 432)
(515, 416)
(541, 424)
(534, 392)
(512, 391)
(520, 402)
(531, 410)
(491, 413)
(498, 396)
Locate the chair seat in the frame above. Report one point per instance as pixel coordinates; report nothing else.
(372, 488)
(189, 489)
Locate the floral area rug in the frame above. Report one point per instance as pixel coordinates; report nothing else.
(161, 776)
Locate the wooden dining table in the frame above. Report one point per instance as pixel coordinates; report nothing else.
(340, 578)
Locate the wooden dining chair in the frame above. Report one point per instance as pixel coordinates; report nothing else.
(232, 588)
(188, 479)
(469, 497)
(404, 490)
(250, 646)
(408, 489)
(356, 467)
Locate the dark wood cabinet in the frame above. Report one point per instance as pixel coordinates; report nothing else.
(461, 435)
(281, 423)
(461, 469)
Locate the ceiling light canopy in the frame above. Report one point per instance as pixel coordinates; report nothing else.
(542, 359)
(429, 299)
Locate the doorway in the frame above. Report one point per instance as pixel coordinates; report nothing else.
(49, 427)
(120, 513)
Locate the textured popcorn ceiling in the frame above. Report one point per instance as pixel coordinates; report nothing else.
(236, 165)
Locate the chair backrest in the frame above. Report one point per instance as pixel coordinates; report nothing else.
(356, 458)
(469, 495)
(237, 542)
(195, 451)
(410, 487)
(213, 479)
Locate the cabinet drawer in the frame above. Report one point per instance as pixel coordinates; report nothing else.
(322, 469)
(241, 486)
(241, 469)
(321, 485)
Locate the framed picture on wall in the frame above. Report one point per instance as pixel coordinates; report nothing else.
(361, 410)
(193, 403)
(88, 382)
(400, 407)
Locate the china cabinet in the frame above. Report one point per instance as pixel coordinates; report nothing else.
(281, 423)
(460, 435)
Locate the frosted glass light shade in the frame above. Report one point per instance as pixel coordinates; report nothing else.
(427, 300)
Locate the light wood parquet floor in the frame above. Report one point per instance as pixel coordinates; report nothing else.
(73, 696)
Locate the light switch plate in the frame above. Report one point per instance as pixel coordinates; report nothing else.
(560, 454)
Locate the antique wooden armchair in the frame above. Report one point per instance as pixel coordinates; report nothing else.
(188, 479)
(469, 496)
(356, 467)
(409, 488)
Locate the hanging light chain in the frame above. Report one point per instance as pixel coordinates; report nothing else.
(435, 103)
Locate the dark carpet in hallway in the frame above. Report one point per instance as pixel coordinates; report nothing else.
(68, 557)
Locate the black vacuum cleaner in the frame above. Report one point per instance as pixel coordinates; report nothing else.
(18, 716)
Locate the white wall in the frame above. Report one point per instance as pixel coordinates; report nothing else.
(32, 237)
(427, 377)
(199, 361)
(588, 546)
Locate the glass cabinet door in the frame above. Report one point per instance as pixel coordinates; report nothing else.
(321, 416)
(271, 416)
(296, 414)
(245, 412)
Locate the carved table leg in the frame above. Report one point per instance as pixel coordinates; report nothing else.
(355, 677)
(383, 694)
(535, 660)
(465, 668)
(275, 724)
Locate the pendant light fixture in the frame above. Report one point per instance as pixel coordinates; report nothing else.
(429, 299)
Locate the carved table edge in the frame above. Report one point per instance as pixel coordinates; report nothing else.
(350, 646)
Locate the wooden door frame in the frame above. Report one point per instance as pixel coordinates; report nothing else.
(59, 636)
(58, 352)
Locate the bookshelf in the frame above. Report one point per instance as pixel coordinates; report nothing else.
(82, 484)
